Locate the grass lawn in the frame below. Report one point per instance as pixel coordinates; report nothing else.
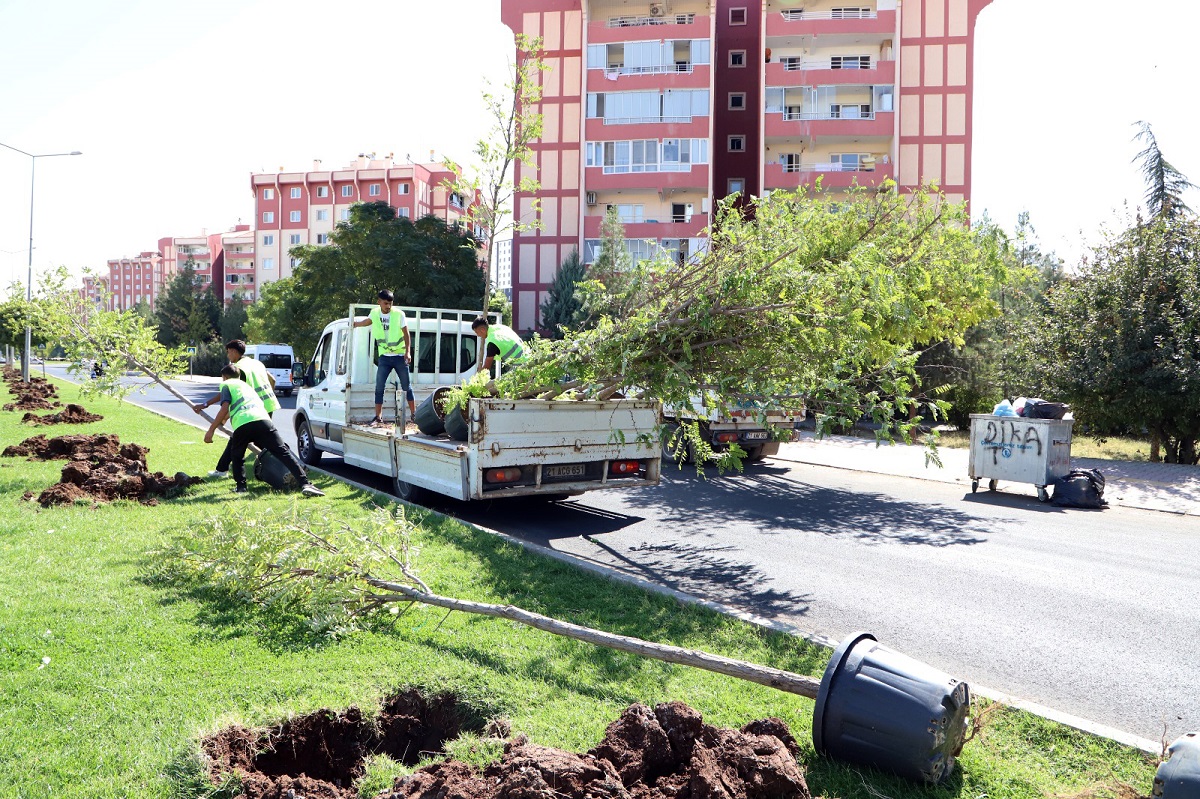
(108, 678)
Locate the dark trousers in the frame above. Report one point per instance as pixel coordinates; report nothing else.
(388, 364)
(264, 435)
(227, 453)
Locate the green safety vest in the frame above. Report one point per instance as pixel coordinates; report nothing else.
(255, 374)
(244, 404)
(505, 339)
(393, 343)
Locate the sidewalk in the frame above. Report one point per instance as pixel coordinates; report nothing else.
(1166, 487)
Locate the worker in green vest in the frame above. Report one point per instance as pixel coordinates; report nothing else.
(497, 341)
(251, 425)
(389, 327)
(253, 372)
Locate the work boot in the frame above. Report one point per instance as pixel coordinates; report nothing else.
(310, 490)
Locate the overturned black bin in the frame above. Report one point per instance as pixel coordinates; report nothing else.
(1178, 777)
(271, 471)
(880, 708)
(430, 418)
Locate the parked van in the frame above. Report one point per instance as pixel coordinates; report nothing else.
(278, 358)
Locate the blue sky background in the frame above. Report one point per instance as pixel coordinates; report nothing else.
(174, 106)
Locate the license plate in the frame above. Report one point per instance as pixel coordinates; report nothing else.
(759, 436)
(571, 470)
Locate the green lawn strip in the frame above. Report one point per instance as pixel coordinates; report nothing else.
(139, 670)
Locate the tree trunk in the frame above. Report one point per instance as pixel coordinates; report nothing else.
(774, 678)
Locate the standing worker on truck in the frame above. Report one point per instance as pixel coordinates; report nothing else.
(254, 374)
(390, 329)
(251, 425)
(498, 341)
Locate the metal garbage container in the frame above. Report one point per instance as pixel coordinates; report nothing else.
(1019, 450)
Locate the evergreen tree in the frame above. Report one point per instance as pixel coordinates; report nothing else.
(563, 308)
(233, 318)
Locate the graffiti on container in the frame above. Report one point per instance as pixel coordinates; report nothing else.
(1005, 438)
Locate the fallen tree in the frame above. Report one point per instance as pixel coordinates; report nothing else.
(803, 299)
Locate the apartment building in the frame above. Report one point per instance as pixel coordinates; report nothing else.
(233, 271)
(502, 266)
(659, 108)
(129, 281)
(294, 208)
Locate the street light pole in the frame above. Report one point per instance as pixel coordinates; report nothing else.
(29, 276)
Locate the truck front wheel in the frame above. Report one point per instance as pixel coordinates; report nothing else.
(305, 444)
(409, 492)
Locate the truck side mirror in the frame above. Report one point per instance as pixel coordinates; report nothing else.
(298, 373)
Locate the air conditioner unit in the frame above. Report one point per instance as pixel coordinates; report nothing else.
(591, 198)
(658, 9)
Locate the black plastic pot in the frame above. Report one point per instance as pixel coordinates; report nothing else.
(880, 708)
(271, 471)
(457, 426)
(1178, 777)
(430, 419)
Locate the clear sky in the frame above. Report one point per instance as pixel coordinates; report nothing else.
(174, 105)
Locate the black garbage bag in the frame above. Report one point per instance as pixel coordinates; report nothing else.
(1080, 488)
(1046, 410)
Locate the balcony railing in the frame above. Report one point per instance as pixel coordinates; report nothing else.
(681, 120)
(830, 167)
(795, 14)
(793, 63)
(794, 116)
(637, 22)
(652, 69)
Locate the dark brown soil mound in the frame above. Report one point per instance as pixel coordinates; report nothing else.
(32, 396)
(72, 414)
(100, 468)
(665, 753)
(319, 756)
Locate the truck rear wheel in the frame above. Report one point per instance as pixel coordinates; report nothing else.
(668, 446)
(409, 492)
(304, 443)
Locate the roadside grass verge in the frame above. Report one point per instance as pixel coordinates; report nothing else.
(139, 670)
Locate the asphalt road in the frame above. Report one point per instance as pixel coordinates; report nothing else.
(1091, 613)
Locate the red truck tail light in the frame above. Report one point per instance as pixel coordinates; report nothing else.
(725, 438)
(624, 467)
(509, 475)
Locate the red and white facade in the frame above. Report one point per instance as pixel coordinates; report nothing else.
(129, 281)
(295, 208)
(658, 109)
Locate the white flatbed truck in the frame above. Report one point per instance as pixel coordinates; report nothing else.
(758, 429)
(550, 448)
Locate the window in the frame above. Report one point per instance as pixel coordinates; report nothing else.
(737, 16)
(293, 262)
(268, 240)
(403, 188)
(737, 58)
(736, 186)
(295, 194)
(322, 238)
(790, 161)
(347, 191)
(850, 62)
(268, 194)
(268, 264)
(322, 191)
(294, 239)
(737, 144)
(294, 216)
(374, 190)
(322, 214)
(268, 217)
(344, 215)
(737, 101)
(629, 213)
(403, 213)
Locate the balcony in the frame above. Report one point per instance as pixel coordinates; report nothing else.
(651, 127)
(831, 175)
(664, 228)
(804, 124)
(800, 22)
(695, 177)
(823, 72)
(635, 28)
(683, 75)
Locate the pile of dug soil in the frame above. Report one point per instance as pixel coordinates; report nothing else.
(101, 469)
(36, 395)
(72, 414)
(665, 753)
